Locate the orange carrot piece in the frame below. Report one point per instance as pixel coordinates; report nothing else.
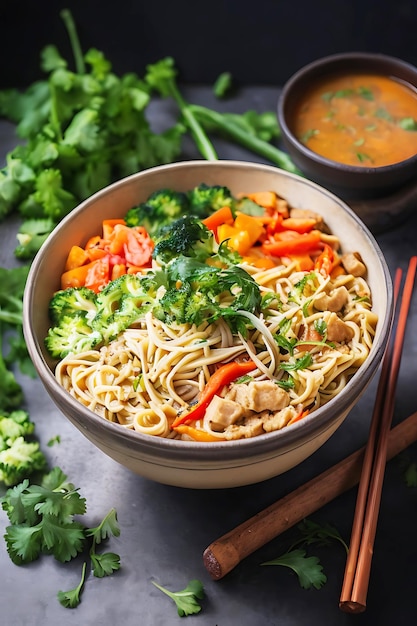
(303, 262)
(197, 433)
(96, 253)
(108, 226)
(74, 277)
(77, 256)
(119, 269)
(221, 216)
(267, 199)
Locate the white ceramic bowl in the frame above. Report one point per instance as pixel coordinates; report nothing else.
(192, 464)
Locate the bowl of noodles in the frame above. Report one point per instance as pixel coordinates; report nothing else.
(208, 324)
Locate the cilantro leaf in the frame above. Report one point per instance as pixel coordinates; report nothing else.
(298, 364)
(312, 532)
(109, 526)
(72, 598)
(24, 543)
(105, 564)
(308, 569)
(187, 600)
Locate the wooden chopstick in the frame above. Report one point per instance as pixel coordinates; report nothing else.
(358, 564)
(225, 553)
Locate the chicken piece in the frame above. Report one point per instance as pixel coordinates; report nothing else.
(222, 412)
(263, 395)
(338, 330)
(307, 214)
(334, 301)
(252, 427)
(353, 264)
(276, 421)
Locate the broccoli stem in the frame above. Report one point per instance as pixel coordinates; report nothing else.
(74, 41)
(203, 143)
(228, 127)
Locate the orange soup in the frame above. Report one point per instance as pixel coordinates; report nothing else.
(359, 119)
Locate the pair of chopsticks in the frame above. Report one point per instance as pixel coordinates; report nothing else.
(226, 552)
(358, 564)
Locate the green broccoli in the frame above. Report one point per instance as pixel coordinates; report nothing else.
(31, 235)
(187, 236)
(19, 460)
(161, 208)
(118, 306)
(72, 300)
(205, 199)
(73, 334)
(18, 457)
(13, 425)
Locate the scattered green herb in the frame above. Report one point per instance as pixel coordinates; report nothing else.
(383, 114)
(298, 364)
(222, 85)
(362, 157)
(42, 522)
(408, 123)
(308, 568)
(305, 138)
(187, 600)
(53, 440)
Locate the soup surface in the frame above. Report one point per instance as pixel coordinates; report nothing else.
(359, 119)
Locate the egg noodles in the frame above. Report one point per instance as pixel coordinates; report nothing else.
(252, 358)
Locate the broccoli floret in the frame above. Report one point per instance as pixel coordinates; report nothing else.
(15, 424)
(171, 307)
(72, 300)
(32, 234)
(73, 334)
(187, 236)
(20, 459)
(120, 304)
(205, 199)
(161, 208)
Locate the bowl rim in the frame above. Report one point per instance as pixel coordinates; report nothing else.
(265, 444)
(330, 64)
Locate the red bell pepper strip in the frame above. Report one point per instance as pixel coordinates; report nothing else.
(324, 262)
(223, 376)
(297, 244)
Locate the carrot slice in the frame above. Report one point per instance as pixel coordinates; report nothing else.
(221, 216)
(77, 256)
(197, 433)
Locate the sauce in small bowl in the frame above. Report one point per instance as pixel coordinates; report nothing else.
(364, 120)
(346, 125)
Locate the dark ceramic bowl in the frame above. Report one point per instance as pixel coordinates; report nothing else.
(352, 183)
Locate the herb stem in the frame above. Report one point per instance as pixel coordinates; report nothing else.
(234, 131)
(74, 40)
(203, 143)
